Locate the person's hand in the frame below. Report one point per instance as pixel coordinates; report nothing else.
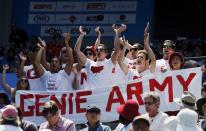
(97, 30)
(42, 43)
(81, 31)
(122, 28)
(5, 67)
(146, 35)
(66, 37)
(22, 56)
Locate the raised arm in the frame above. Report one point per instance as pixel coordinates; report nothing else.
(70, 61)
(20, 70)
(44, 62)
(121, 58)
(98, 40)
(38, 68)
(77, 47)
(4, 83)
(151, 54)
(117, 32)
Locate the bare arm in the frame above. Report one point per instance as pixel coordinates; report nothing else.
(70, 61)
(98, 40)
(77, 47)
(20, 70)
(44, 62)
(151, 54)
(4, 83)
(121, 58)
(117, 31)
(38, 68)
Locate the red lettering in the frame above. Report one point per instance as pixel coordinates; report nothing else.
(70, 103)
(62, 105)
(83, 78)
(167, 81)
(80, 100)
(38, 103)
(111, 100)
(186, 83)
(137, 92)
(31, 108)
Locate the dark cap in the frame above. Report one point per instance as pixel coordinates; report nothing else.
(93, 108)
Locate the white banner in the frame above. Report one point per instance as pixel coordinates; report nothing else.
(73, 105)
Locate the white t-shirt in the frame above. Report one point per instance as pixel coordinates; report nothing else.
(82, 79)
(117, 75)
(157, 122)
(9, 128)
(34, 81)
(60, 81)
(162, 64)
(134, 75)
(99, 73)
(121, 127)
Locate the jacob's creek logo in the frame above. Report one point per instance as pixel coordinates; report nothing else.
(41, 19)
(42, 6)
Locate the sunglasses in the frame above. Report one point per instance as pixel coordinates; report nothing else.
(134, 49)
(23, 80)
(167, 46)
(148, 103)
(89, 53)
(100, 49)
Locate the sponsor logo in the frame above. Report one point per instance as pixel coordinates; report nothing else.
(95, 18)
(52, 30)
(42, 6)
(41, 19)
(96, 6)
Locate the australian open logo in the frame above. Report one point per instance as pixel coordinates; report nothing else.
(41, 19)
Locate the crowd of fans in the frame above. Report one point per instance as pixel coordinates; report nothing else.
(59, 67)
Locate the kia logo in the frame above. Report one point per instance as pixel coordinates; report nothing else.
(41, 19)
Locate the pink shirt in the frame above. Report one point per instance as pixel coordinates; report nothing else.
(63, 125)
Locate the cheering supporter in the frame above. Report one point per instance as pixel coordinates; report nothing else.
(4, 99)
(55, 79)
(127, 112)
(89, 52)
(176, 61)
(187, 100)
(22, 84)
(9, 119)
(55, 121)
(93, 117)
(140, 123)
(155, 117)
(143, 56)
(97, 71)
(162, 64)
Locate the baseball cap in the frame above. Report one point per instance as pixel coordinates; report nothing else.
(93, 109)
(9, 112)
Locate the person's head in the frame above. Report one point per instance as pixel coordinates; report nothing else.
(128, 111)
(135, 48)
(187, 100)
(55, 64)
(89, 52)
(51, 112)
(201, 106)
(4, 99)
(93, 114)
(9, 116)
(203, 90)
(176, 61)
(152, 102)
(22, 84)
(142, 60)
(101, 52)
(140, 123)
(168, 48)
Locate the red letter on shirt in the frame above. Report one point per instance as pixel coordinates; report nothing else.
(111, 100)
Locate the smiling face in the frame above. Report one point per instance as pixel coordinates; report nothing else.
(176, 62)
(142, 61)
(167, 49)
